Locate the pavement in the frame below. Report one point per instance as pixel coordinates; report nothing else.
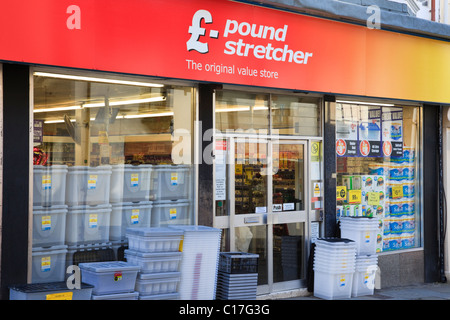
(425, 291)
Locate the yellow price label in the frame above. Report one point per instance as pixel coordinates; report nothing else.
(397, 192)
(60, 296)
(341, 193)
(354, 196)
(373, 198)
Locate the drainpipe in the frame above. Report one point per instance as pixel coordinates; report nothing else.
(442, 215)
(433, 10)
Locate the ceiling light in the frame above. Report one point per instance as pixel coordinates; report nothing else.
(148, 115)
(124, 102)
(57, 109)
(93, 79)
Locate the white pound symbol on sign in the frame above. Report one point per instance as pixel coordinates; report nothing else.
(196, 31)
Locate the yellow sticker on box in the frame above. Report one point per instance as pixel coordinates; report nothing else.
(354, 196)
(60, 296)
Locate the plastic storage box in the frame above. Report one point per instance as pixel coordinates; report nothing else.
(173, 182)
(88, 224)
(49, 185)
(49, 225)
(117, 296)
(238, 262)
(131, 183)
(88, 185)
(109, 277)
(128, 214)
(48, 264)
(364, 276)
(154, 239)
(49, 291)
(171, 212)
(363, 230)
(165, 296)
(157, 283)
(200, 262)
(90, 252)
(154, 262)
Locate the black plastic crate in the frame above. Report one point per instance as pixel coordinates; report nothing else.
(238, 262)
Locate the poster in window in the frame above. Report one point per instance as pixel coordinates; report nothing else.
(392, 128)
(346, 130)
(369, 132)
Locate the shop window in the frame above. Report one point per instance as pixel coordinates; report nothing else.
(377, 165)
(293, 115)
(108, 154)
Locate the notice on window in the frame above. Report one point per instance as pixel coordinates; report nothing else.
(221, 170)
(369, 132)
(392, 132)
(347, 117)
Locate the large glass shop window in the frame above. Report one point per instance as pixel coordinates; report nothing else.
(108, 155)
(377, 165)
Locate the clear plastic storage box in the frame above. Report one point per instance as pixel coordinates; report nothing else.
(128, 214)
(131, 183)
(157, 283)
(173, 181)
(49, 291)
(154, 239)
(88, 185)
(88, 224)
(49, 185)
(49, 225)
(171, 212)
(109, 277)
(48, 264)
(117, 296)
(154, 262)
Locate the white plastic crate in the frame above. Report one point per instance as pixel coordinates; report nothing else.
(131, 183)
(49, 225)
(48, 264)
(88, 185)
(49, 185)
(128, 214)
(364, 281)
(171, 212)
(157, 283)
(88, 224)
(333, 285)
(109, 277)
(363, 231)
(164, 296)
(154, 262)
(117, 296)
(154, 239)
(173, 182)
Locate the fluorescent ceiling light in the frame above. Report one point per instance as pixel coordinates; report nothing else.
(124, 102)
(93, 79)
(366, 103)
(148, 115)
(102, 104)
(57, 109)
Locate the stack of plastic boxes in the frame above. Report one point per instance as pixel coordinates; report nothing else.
(334, 266)
(238, 276)
(131, 189)
(200, 262)
(49, 223)
(89, 211)
(363, 230)
(156, 251)
(372, 200)
(171, 206)
(114, 280)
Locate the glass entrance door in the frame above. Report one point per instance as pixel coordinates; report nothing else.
(265, 207)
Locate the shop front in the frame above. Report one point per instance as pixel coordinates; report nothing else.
(268, 125)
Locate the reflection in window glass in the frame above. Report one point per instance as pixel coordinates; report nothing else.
(241, 111)
(293, 115)
(108, 155)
